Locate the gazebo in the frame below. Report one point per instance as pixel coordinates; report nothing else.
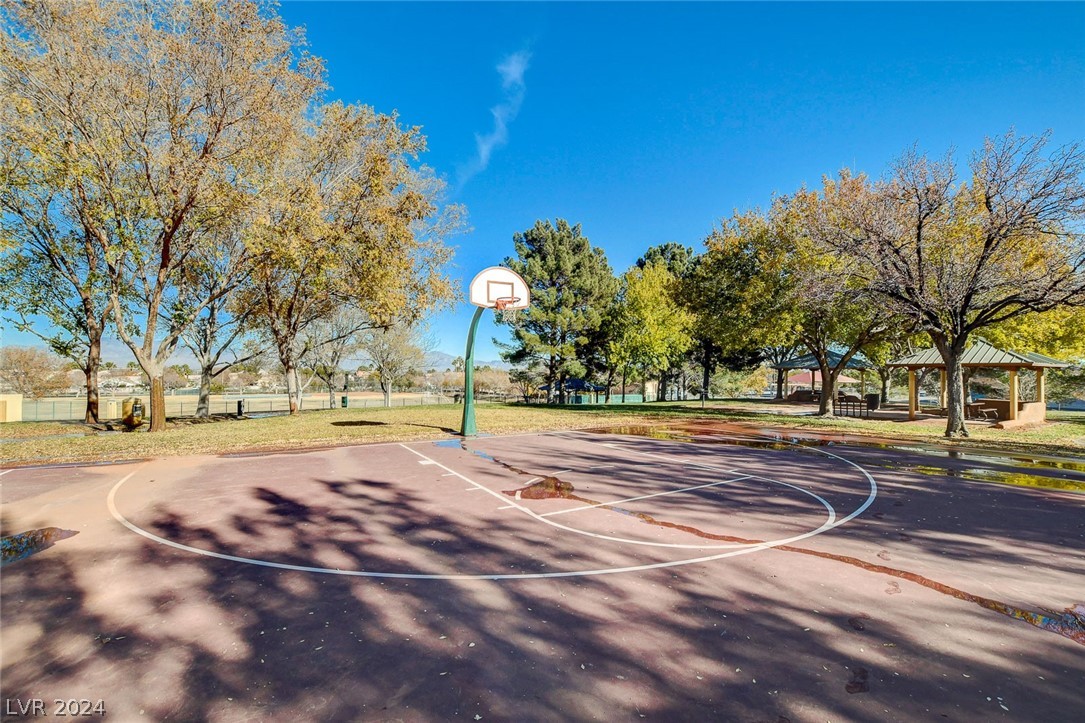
(983, 355)
(809, 363)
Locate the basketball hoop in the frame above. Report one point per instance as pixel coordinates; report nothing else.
(506, 309)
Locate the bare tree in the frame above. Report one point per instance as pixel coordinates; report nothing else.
(961, 256)
(394, 353)
(329, 342)
(217, 273)
(31, 371)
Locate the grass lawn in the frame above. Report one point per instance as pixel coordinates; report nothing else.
(40, 442)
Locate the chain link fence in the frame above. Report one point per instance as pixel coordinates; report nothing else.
(75, 408)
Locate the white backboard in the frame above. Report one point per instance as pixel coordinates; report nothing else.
(498, 282)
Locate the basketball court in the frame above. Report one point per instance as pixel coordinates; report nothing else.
(667, 572)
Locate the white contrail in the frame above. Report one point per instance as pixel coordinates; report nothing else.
(511, 68)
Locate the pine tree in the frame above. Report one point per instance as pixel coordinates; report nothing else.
(571, 285)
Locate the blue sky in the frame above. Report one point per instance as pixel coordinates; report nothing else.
(648, 122)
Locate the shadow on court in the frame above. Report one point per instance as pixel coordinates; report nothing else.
(164, 633)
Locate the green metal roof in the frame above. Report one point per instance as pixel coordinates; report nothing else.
(980, 354)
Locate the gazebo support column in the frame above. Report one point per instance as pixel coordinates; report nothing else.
(912, 396)
(1041, 387)
(1014, 393)
(942, 395)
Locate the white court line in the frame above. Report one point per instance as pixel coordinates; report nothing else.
(798, 447)
(6, 472)
(560, 471)
(644, 497)
(111, 504)
(830, 519)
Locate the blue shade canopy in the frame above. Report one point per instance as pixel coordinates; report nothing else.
(577, 385)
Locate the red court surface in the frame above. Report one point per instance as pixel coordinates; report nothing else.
(683, 573)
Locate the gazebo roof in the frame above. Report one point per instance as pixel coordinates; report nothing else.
(810, 362)
(981, 354)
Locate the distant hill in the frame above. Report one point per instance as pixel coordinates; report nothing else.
(440, 361)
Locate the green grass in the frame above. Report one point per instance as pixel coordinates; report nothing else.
(38, 442)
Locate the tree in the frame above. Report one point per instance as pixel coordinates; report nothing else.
(673, 256)
(773, 285)
(527, 381)
(153, 120)
(395, 353)
(882, 352)
(571, 284)
(176, 376)
(654, 329)
(225, 322)
(740, 290)
(329, 342)
(348, 221)
(961, 256)
(31, 371)
(777, 355)
(1058, 333)
(680, 263)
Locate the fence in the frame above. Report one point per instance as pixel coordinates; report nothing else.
(47, 410)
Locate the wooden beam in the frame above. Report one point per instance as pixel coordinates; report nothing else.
(1041, 388)
(1014, 393)
(942, 394)
(913, 400)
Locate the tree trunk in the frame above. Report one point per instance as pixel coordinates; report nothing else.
(625, 369)
(780, 383)
(706, 377)
(551, 378)
(885, 387)
(94, 361)
(662, 396)
(292, 387)
(828, 388)
(158, 404)
(951, 355)
(331, 395)
(203, 406)
(386, 387)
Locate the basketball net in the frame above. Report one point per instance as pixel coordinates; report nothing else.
(503, 311)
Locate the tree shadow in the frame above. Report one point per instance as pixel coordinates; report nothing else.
(370, 423)
(166, 633)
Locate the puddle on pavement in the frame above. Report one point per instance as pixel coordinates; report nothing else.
(1069, 623)
(24, 544)
(707, 434)
(979, 474)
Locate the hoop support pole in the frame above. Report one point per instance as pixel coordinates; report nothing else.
(468, 428)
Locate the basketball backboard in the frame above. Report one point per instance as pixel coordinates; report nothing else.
(498, 283)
